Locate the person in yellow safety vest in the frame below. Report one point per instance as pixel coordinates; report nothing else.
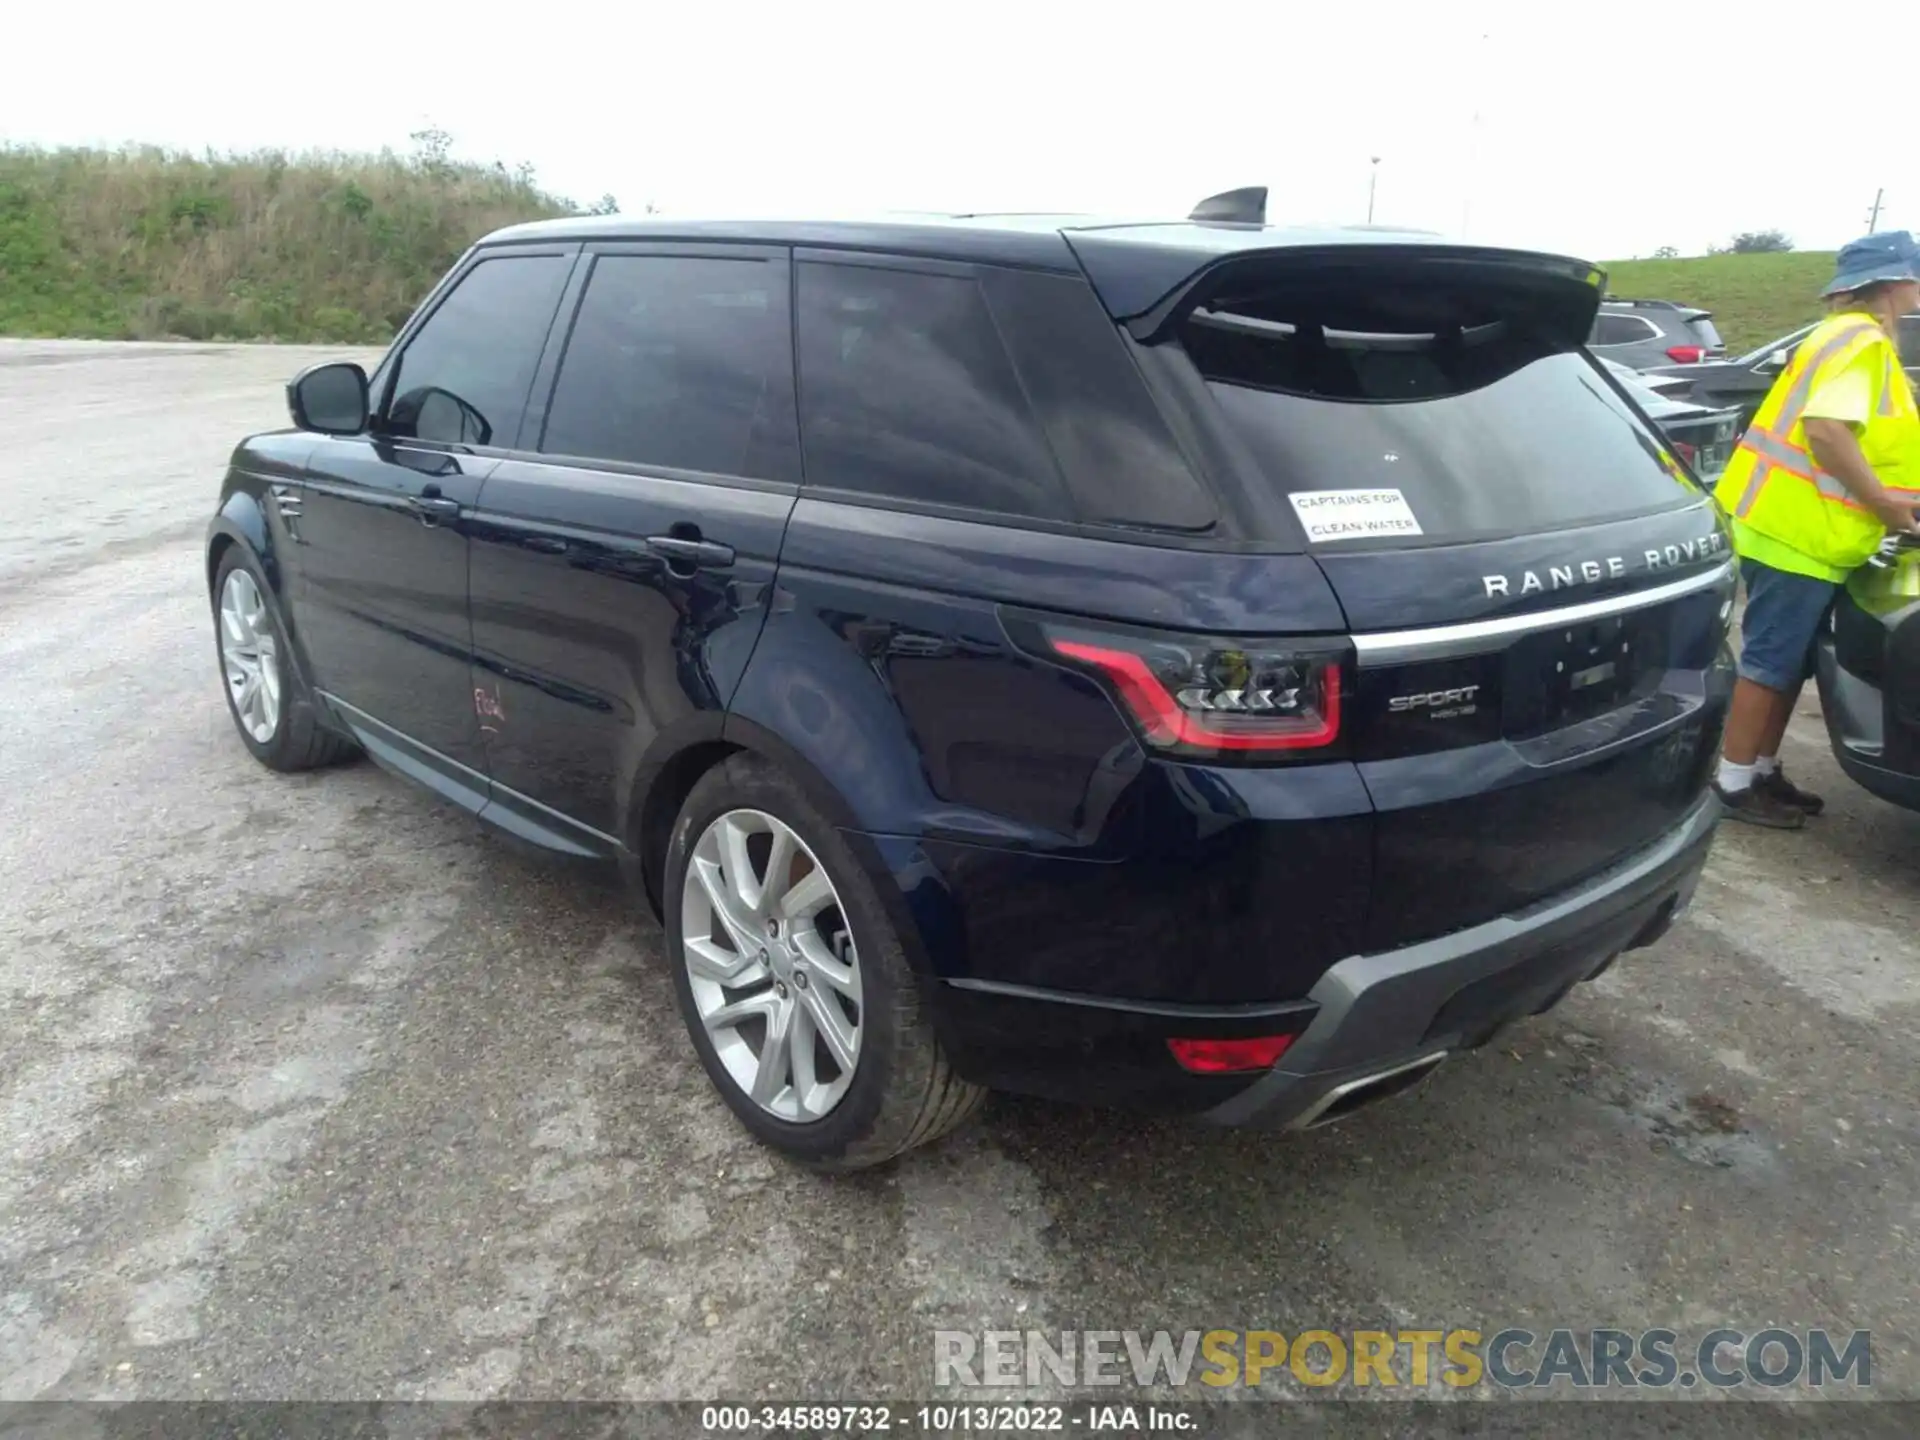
(1829, 466)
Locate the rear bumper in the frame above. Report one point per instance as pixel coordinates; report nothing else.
(1372, 1023)
(1385, 1020)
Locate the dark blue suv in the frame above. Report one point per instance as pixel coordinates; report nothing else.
(1198, 665)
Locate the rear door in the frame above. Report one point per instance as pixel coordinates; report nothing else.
(622, 558)
(1537, 592)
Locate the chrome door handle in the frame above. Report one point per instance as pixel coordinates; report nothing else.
(698, 554)
(433, 507)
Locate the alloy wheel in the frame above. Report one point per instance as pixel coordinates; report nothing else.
(772, 965)
(250, 655)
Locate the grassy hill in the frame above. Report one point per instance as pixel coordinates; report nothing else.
(145, 244)
(1754, 298)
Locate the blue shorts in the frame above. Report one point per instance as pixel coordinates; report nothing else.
(1780, 624)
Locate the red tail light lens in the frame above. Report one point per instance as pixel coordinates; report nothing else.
(1226, 1057)
(1685, 451)
(1687, 354)
(1211, 698)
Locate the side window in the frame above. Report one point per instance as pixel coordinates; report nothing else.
(463, 378)
(680, 362)
(1120, 460)
(906, 391)
(1611, 329)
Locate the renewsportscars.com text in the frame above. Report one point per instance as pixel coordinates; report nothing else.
(1513, 1358)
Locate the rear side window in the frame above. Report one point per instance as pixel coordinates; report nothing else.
(907, 392)
(1611, 329)
(463, 378)
(1120, 460)
(1491, 427)
(1705, 333)
(682, 363)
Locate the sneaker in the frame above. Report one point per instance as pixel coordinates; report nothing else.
(1756, 806)
(1788, 793)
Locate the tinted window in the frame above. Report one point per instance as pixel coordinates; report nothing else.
(463, 379)
(1113, 446)
(1705, 333)
(1620, 329)
(906, 391)
(1485, 433)
(681, 363)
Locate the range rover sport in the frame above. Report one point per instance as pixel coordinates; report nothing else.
(1200, 666)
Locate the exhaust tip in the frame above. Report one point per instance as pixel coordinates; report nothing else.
(1353, 1095)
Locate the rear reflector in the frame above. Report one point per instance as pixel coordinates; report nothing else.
(1226, 1057)
(1205, 698)
(1687, 354)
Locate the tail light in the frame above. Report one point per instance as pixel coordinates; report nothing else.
(1213, 699)
(1686, 354)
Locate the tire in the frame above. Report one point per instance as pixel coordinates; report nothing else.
(294, 740)
(901, 1091)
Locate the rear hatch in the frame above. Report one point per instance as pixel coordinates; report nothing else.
(1702, 437)
(1711, 346)
(1537, 592)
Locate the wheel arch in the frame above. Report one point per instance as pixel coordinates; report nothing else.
(241, 521)
(676, 765)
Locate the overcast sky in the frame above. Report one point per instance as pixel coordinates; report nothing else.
(1605, 131)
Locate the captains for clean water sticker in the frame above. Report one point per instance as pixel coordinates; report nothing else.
(1352, 514)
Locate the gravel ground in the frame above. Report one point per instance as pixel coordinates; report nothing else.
(311, 1089)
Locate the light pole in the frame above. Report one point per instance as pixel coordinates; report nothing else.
(1373, 181)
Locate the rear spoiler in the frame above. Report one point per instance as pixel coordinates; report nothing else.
(1564, 293)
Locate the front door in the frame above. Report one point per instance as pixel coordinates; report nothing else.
(620, 569)
(385, 518)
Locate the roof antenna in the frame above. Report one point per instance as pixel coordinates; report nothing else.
(1247, 206)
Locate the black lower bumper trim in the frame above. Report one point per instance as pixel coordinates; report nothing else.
(1382, 1013)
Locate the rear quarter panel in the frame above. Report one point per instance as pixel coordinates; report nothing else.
(1030, 837)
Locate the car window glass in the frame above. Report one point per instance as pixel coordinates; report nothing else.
(463, 378)
(1506, 434)
(1113, 447)
(680, 362)
(1619, 329)
(907, 392)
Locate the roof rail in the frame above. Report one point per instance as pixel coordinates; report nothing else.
(1247, 206)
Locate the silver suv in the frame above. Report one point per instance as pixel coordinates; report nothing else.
(1646, 333)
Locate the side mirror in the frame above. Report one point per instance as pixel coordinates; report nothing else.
(329, 399)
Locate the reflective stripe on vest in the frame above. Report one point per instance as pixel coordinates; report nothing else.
(1780, 453)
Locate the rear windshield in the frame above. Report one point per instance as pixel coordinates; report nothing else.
(1389, 440)
(1703, 328)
